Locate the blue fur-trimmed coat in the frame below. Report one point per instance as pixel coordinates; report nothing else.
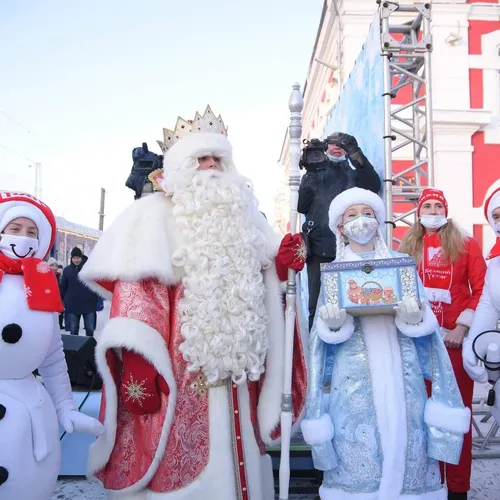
(380, 437)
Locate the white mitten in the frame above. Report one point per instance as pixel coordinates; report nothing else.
(476, 372)
(54, 372)
(74, 421)
(409, 311)
(332, 316)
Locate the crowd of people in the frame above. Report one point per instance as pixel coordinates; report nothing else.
(192, 357)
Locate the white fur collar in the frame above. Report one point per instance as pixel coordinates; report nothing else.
(140, 242)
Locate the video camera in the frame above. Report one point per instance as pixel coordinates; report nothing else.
(313, 154)
(145, 162)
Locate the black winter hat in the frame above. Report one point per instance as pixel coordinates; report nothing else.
(76, 252)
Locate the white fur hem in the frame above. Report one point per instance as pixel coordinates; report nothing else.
(438, 295)
(427, 326)
(338, 494)
(269, 405)
(141, 338)
(317, 431)
(446, 418)
(465, 318)
(335, 337)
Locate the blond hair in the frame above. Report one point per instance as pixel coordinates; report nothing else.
(452, 241)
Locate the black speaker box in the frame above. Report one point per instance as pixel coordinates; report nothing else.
(79, 352)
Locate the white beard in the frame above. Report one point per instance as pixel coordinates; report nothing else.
(223, 314)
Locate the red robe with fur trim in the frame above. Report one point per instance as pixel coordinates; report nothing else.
(200, 442)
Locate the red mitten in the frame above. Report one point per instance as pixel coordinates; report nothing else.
(139, 389)
(292, 254)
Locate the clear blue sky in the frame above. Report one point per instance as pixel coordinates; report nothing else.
(92, 79)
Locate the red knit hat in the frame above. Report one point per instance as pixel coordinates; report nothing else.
(432, 194)
(14, 205)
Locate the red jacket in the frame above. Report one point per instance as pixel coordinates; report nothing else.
(467, 283)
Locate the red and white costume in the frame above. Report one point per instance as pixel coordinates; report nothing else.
(454, 290)
(30, 339)
(192, 357)
(488, 310)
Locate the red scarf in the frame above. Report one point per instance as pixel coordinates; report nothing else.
(40, 282)
(495, 251)
(436, 273)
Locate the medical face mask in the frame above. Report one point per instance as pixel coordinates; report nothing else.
(18, 247)
(336, 159)
(362, 229)
(433, 221)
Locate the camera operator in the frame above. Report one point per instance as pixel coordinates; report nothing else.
(332, 166)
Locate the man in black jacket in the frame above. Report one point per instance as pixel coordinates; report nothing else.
(77, 298)
(345, 168)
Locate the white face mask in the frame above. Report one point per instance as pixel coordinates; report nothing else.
(496, 228)
(361, 229)
(18, 247)
(433, 221)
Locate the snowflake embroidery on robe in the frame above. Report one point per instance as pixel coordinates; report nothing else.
(27, 291)
(301, 252)
(43, 268)
(136, 391)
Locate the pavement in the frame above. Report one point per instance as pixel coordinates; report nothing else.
(485, 485)
(485, 472)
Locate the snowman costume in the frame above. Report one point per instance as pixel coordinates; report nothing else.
(30, 339)
(488, 310)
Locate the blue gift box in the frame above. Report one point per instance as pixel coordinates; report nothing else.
(369, 286)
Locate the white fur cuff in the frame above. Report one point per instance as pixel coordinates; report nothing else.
(438, 295)
(446, 418)
(465, 318)
(317, 431)
(335, 337)
(426, 327)
(338, 494)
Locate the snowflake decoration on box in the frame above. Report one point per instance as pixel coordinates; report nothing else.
(136, 391)
(27, 291)
(43, 268)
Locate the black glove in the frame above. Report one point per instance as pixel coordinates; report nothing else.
(345, 141)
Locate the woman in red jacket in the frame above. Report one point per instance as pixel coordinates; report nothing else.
(452, 269)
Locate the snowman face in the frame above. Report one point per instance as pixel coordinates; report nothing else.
(25, 335)
(19, 238)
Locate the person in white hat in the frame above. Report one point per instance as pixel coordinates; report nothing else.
(192, 357)
(488, 311)
(380, 437)
(29, 302)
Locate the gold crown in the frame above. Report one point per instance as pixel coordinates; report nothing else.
(207, 123)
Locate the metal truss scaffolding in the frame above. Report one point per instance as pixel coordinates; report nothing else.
(406, 50)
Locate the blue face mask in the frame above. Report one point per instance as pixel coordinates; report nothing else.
(335, 159)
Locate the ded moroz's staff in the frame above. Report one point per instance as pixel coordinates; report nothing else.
(295, 105)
